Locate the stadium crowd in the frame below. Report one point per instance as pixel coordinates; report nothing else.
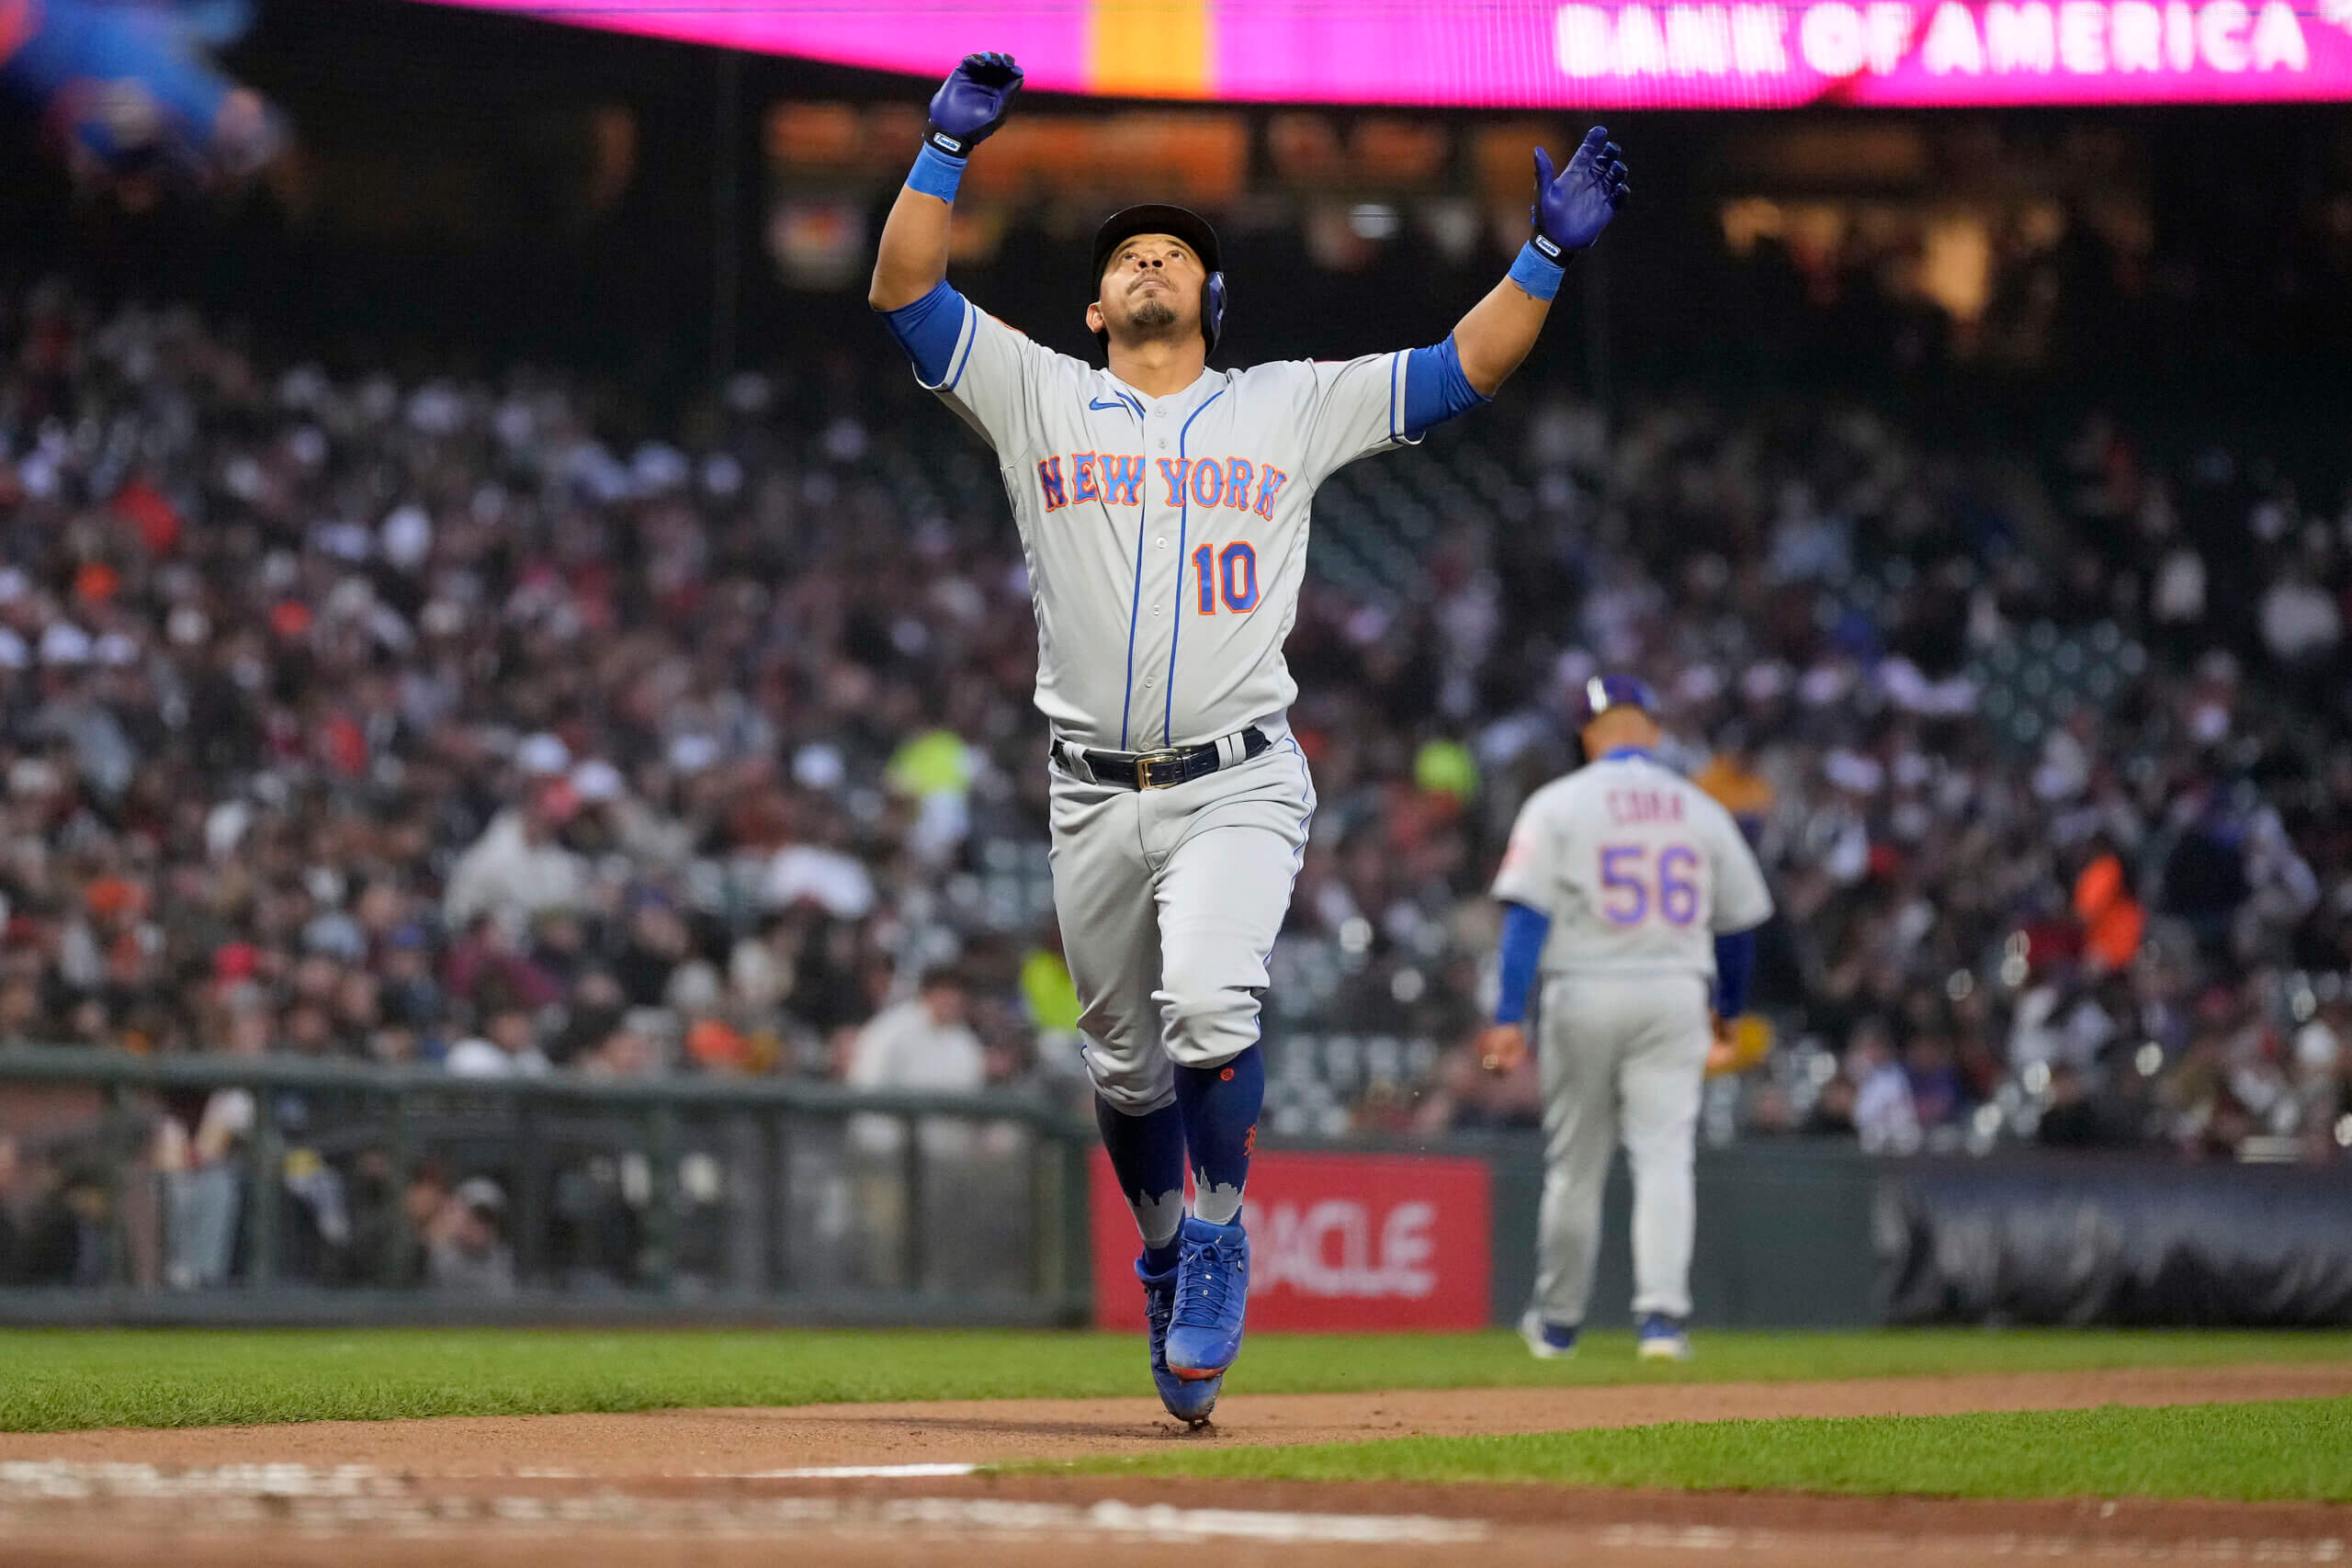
(434, 722)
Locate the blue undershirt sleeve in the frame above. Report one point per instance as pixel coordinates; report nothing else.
(928, 330)
(1523, 933)
(1435, 388)
(1734, 964)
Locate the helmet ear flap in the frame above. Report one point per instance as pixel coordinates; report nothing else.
(1213, 309)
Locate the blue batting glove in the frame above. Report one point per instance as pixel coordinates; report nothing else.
(1572, 208)
(971, 104)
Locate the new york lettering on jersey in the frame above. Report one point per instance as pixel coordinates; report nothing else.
(1117, 479)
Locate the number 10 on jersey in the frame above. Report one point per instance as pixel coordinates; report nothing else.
(1229, 572)
(1632, 886)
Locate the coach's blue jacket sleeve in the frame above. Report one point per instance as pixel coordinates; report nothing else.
(928, 329)
(1523, 933)
(1734, 963)
(1436, 389)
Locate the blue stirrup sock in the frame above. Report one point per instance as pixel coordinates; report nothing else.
(1147, 1157)
(1221, 1106)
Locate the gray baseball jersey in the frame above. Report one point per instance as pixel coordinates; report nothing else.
(1638, 868)
(1166, 537)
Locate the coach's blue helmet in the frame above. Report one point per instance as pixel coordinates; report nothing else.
(1602, 692)
(1155, 218)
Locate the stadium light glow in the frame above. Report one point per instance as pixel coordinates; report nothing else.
(1542, 54)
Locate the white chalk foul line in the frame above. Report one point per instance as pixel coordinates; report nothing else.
(356, 1496)
(844, 1472)
(1165, 1521)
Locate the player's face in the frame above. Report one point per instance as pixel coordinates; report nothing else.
(1150, 290)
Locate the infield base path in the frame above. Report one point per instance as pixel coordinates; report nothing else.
(681, 1443)
(698, 1486)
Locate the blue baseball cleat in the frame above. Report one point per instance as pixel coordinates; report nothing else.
(1187, 1399)
(1212, 1292)
(1658, 1338)
(1547, 1341)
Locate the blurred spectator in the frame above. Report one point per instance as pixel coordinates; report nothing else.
(1883, 1112)
(517, 868)
(2112, 919)
(1938, 1096)
(2069, 1119)
(202, 1166)
(923, 1044)
(1832, 1115)
(465, 1243)
(68, 1240)
(509, 1049)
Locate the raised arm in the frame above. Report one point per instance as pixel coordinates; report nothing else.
(1570, 211)
(969, 104)
(913, 258)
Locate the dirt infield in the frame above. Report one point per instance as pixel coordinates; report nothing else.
(703, 1488)
(680, 1443)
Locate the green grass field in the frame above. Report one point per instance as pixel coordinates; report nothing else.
(55, 1380)
(2288, 1451)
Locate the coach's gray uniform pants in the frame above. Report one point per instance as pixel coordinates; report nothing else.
(1169, 901)
(1623, 1054)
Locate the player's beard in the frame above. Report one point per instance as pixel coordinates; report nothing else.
(1153, 317)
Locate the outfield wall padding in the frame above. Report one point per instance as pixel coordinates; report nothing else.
(2115, 1239)
(1802, 1234)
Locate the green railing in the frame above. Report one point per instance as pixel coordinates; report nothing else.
(751, 1198)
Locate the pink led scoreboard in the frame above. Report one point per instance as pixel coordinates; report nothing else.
(1580, 54)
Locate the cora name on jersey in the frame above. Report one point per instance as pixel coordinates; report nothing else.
(1117, 480)
(1627, 806)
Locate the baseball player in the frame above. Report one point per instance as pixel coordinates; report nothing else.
(1636, 897)
(1162, 508)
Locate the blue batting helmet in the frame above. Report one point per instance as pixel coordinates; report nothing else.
(1154, 217)
(1602, 692)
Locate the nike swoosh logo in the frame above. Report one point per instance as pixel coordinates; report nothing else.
(1113, 403)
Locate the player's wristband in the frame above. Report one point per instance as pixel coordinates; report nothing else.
(1539, 268)
(935, 174)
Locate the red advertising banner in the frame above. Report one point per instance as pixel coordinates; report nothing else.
(1336, 1242)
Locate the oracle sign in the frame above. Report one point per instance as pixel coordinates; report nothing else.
(1336, 1242)
(1585, 55)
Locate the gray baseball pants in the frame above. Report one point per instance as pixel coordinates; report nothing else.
(1623, 1054)
(1169, 901)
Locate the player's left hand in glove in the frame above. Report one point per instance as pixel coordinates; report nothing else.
(1502, 1047)
(972, 102)
(1574, 206)
(1738, 1044)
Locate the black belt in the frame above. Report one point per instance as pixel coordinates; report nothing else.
(1157, 770)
